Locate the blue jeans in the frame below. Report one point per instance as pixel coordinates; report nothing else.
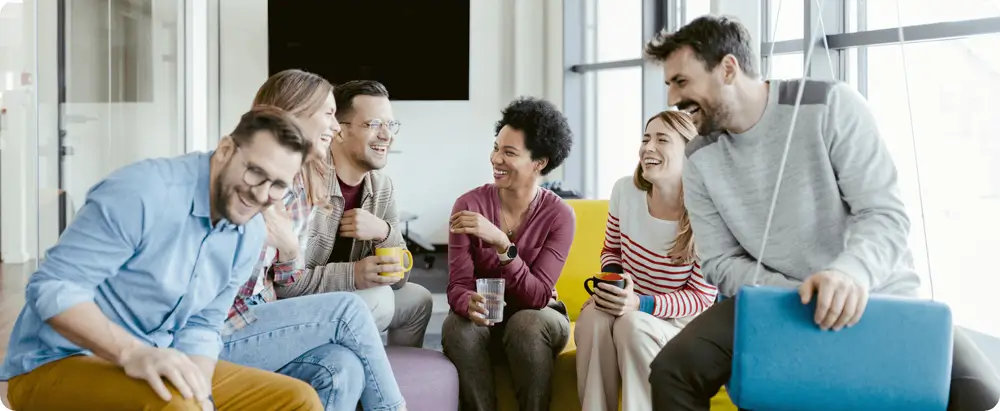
(327, 340)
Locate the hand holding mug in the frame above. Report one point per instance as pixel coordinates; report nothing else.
(400, 254)
(614, 294)
(608, 278)
(367, 271)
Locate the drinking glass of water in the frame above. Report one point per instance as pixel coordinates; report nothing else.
(492, 290)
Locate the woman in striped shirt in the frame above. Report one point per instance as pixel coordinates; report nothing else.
(648, 240)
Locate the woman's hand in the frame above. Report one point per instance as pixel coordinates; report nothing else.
(477, 310)
(279, 232)
(616, 301)
(473, 223)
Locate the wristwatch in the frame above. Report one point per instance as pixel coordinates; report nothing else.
(509, 254)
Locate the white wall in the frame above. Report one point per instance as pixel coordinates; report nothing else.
(516, 49)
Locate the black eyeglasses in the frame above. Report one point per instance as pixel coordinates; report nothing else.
(255, 177)
(374, 125)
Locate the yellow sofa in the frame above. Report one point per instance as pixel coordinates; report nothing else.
(583, 261)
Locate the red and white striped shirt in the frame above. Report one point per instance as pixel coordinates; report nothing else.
(638, 243)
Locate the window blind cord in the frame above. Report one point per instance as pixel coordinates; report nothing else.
(826, 45)
(788, 139)
(771, 34)
(913, 141)
(784, 155)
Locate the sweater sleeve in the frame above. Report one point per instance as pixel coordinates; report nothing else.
(876, 238)
(696, 296)
(724, 262)
(461, 268)
(531, 286)
(611, 254)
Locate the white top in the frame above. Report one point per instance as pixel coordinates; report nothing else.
(639, 243)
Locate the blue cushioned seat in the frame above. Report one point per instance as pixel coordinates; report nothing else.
(898, 357)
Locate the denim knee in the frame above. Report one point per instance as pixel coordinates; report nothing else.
(335, 372)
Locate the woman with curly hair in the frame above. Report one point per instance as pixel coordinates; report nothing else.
(517, 231)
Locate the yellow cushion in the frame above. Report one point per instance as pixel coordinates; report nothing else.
(584, 259)
(582, 262)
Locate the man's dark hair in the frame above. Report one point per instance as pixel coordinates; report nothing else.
(711, 38)
(282, 125)
(546, 131)
(345, 93)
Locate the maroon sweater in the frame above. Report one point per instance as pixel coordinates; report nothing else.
(542, 245)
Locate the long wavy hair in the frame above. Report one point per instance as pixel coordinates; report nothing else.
(301, 93)
(683, 248)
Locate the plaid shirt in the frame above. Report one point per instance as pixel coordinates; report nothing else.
(267, 268)
(322, 276)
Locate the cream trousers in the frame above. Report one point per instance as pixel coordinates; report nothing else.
(616, 352)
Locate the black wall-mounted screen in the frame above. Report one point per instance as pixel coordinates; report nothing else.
(419, 49)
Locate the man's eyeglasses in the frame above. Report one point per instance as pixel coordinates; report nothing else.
(374, 125)
(255, 177)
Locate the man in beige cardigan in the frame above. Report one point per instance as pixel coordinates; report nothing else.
(362, 216)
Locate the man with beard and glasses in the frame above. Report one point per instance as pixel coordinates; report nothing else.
(125, 311)
(840, 227)
(361, 218)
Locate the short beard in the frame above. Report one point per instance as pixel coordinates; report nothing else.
(366, 164)
(712, 120)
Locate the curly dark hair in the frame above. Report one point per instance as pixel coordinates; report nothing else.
(711, 38)
(546, 131)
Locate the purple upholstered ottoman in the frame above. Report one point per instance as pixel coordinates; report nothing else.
(427, 378)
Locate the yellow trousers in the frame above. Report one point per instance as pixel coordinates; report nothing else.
(91, 383)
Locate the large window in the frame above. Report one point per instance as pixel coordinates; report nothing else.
(939, 129)
(619, 125)
(785, 19)
(954, 151)
(889, 14)
(618, 88)
(786, 66)
(696, 8)
(932, 96)
(617, 30)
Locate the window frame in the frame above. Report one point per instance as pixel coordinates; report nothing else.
(833, 45)
(579, 84)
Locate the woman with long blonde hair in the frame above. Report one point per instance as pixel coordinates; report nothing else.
(329, 340)
(648, 241)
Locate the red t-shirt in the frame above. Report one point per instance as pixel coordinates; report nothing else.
(342, 245)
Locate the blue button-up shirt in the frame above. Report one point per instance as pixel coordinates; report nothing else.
(144, 249)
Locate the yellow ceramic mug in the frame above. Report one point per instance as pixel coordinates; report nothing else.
(402, 254)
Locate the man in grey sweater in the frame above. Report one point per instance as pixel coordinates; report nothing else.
(839, 230)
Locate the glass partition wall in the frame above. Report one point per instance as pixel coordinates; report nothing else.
(88, 86)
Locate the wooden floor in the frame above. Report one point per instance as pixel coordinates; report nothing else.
(13, 277)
